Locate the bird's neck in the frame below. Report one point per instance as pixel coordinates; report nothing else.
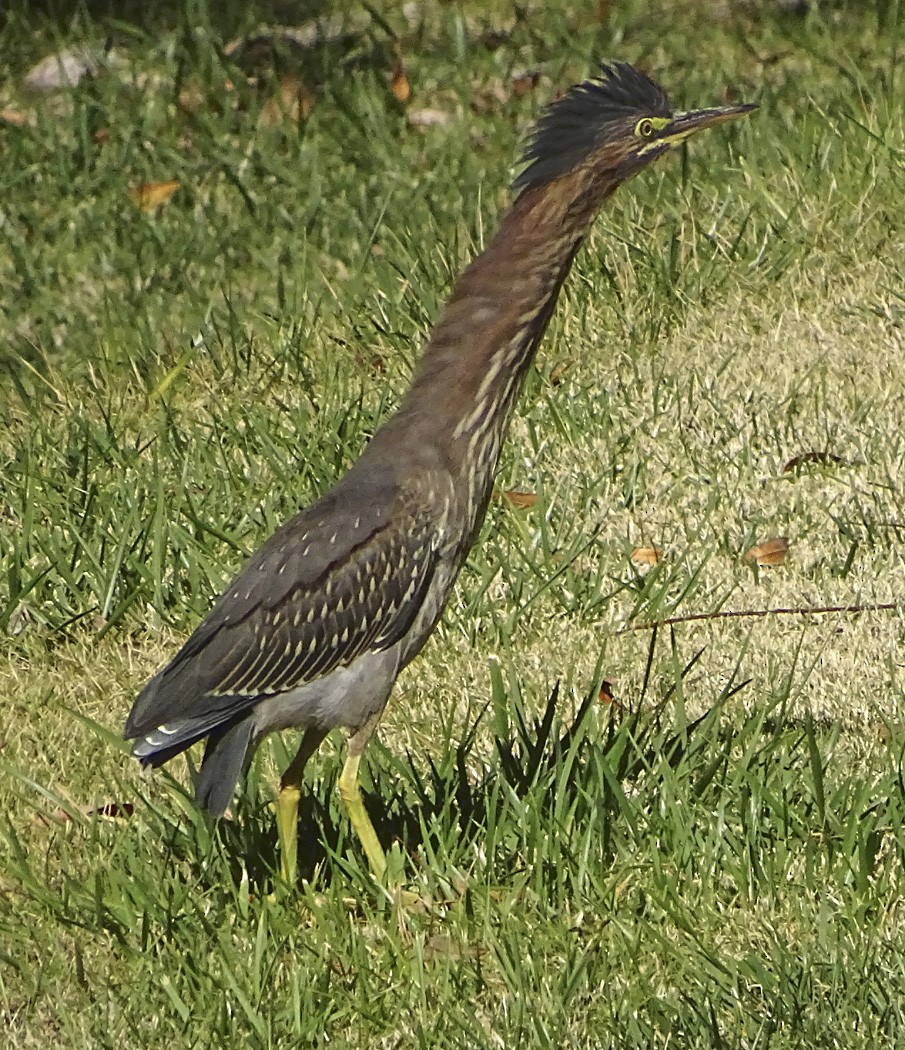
(467, 382)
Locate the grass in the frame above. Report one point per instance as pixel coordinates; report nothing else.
(713, 859)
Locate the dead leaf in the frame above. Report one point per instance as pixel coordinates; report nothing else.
(293, 102)
(521, 500)
(429, 118)
(523, 83)
(13, 116)
(560, 369)
(100, 136)
(825, 458)
(646, 555)
(64, 816)
(151, 195)
(773, 551)
(399, 84)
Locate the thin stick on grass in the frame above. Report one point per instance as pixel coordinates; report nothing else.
(727, 614)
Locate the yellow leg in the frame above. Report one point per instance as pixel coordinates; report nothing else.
(288, 803)
(350, 793)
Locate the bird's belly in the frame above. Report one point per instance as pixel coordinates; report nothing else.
(347, 696)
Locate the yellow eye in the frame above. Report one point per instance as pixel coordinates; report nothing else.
(644, 128)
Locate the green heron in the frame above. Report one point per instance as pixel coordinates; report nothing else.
(315, 629)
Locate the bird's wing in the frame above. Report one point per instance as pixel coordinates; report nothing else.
(345, 576)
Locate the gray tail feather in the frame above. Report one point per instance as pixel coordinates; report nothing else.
(227, 746)
(166, 741)
(221, 767)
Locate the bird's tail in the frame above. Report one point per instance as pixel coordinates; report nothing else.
(229, 735)
(224, 758)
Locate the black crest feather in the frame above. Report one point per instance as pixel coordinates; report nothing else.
(577, 123)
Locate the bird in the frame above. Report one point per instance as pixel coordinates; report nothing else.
(315, 629)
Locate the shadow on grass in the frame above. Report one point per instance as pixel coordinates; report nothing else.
(548, 766)
(553, 803)
(168, 14)
(269, 38)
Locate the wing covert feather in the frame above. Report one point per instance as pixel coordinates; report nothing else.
(345, 576)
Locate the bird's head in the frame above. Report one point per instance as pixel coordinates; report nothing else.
(609, 128)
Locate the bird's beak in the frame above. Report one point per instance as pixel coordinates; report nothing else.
(684, 124)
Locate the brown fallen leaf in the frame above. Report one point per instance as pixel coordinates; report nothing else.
(524, 82)
(810, 457)
(399, 84)
(646, 555)
(63, 816)
(13, 116)
(292, 101)
(521, 500)
(560, 369)
(149, 196)
(773, 551)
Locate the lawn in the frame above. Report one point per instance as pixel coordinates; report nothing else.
(222, 253)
